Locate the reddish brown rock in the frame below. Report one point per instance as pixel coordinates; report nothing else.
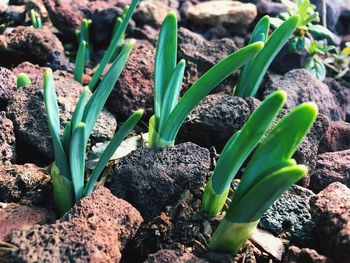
(337, 137)
(7, 86)
(304, 255)
(27, 112)
(171, 256)
(7, 139)
(15, 216)
(302, 86)
(331, 167)
(67, 15)
(39, 46)
(95, 230)
(134, 88)
(330, 212)
(26, 184)
(201, 55)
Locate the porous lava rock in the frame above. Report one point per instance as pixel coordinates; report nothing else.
(96, 229)
(134, 88)
(25, 184)
(215, 120)
(27, 112)
(330, 212)
(331, 167)
(67, 15)
(152, 13)
(37, 45)
(7, 139)
(289, 217)
(201, 54)
(302, 86)
(150, 179)
(14, 216)
(304, 255)
(306, 153)
(167, 255)
(7, 86)
(337, 137)
(235, 14)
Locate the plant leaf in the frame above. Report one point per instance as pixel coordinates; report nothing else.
(77, 159)
(264, 193)
(80, 62)
(113, 45)
(79, 108)
(67, 132)
(52, 112)
(165, 61)
(263, 59)
(204, 85)
(111, 148)
(96, 102)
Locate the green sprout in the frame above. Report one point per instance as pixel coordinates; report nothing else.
(339, 61)
(83, 35)
(35, 18)
(269, 173)
(314, 63)
(253, 72)
(23, 80)
(68, 170)
(169, 111)
(80, 62)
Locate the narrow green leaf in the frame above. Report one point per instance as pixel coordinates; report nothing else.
(79, 108)
(111, 148)
(52, 112)
(96, 102)
(67, 132)
(113, 45)
(262, 61)
(205, 84)
(80, 62)
(232, 158)
(279, 145)
(165, 61)
(77, 159)
(260, 33)
(171, 95)
(264, 193)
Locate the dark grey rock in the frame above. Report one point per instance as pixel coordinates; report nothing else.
(215, 120)
(150, 179)
(7, 139)
(289, 217)
(7, 86)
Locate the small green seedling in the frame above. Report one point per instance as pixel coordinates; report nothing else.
(68, 170)
(83, 35)
(269, 173)
(35, 18)
(339, 61)
(23, 80)
(314, 62)
(80, 62)
(253, 72)
(169, 111)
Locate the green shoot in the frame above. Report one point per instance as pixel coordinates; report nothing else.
(23, 80)
(80, 62)
(169, 112)
(113, 45)
(83, 35)
(68, 171)
(35, 19)
(253, 73)
(269, 173)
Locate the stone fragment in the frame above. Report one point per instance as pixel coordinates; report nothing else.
(7, 86)
(7, 139)
(304, 255)
(95, 230)
(337, 137)
(150, 179)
